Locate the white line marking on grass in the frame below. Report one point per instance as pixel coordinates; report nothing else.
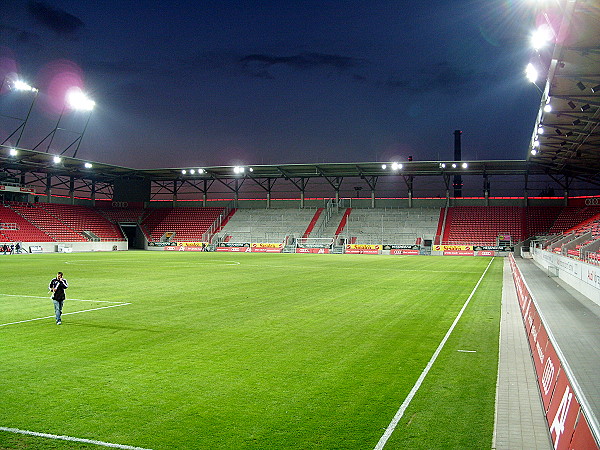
(69, 299)
(467, 351)
(70, 438)
(392, 426)
(64, 314)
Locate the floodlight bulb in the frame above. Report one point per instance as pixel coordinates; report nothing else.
(531, 73)
(396, 166)
(251, 169)
(22, 86)
(384, 166)
(78, 100)
(542, 36)
(548, 108)
(533, 151)
(12, 152)
(536, 143)
(184, 171)
(465, 165)
(192, 172)
(57, 159)
(88, 165)
(454, 165)
(200, 171)
(443, 165)
(541, 130)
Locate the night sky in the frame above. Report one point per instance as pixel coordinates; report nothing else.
(184, 84)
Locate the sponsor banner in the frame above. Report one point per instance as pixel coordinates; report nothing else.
(584, 201)
(266, 249)
(312, 250)
(160, 244)
(314, 246)
(485, 253)
(583, 437)
(17, 189)
(182, 248)
(549, 375)
(36, 249)
(562, 413)
(192, 244)
(443, 248)
(459, 253)
(234, 244)
(504, 237)
(403, 252)
(267, 245)
(538, 340)
(357, 251)
(401, 247)
(363, 247)
(234, 249)
(496, 248)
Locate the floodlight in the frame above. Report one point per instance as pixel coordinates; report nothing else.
(531, 73)
(57, 159)
(540, 130)
(384, 166)
(238, 169)
(465, 165)
(536, 143)
(454, 165)
(22, 86)
(596, 88)
(585, 107)
(183, 172)
(534, 152)
(88, 165)
(576, 122)
(78, 100)
(548, 108)
(442, 165)
(541, 37)
(13, 152)
(396, 166)
(201, 171)
(251, 169)
(192, 171)
(569, 134)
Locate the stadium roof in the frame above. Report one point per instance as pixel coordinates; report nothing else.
(569, 134)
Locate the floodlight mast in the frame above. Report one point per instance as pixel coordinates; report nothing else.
(21, 86)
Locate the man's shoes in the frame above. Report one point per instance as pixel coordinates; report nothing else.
(58, 323)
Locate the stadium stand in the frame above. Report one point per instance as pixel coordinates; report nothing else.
(46, 222)
(23, 230)
(85, 221)
(392, 226)
(267, 225)
(185, 224)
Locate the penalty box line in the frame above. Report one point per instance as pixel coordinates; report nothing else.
(392, 426)
(65, 314)
(70, 438)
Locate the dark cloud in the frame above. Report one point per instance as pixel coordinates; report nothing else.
(437, 77)
(20, 35)
(258, 65)
(57, 20)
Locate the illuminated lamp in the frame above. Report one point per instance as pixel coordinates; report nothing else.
(596, 88)
(13, 152)
(88, 165)
(57, 159)
(585, 107)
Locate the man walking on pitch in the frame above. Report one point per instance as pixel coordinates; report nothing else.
(58, 286)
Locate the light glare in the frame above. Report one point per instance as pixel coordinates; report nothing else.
(531, 73)
(78, 100)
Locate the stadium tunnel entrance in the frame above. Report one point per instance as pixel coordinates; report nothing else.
(134, 234)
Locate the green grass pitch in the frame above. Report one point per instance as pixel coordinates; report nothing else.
(233, 351)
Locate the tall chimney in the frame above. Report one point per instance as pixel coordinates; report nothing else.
(457, 157)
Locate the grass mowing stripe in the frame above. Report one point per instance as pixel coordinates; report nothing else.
(392, 426)
(71, 439)
(46, 297)
(64, 314)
